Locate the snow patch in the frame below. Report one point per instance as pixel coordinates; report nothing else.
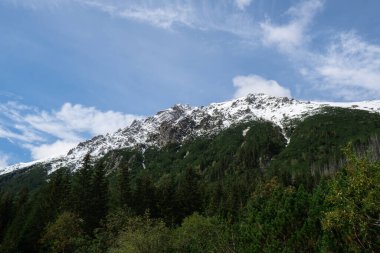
(245, 131)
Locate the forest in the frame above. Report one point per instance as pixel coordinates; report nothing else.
(230, 192)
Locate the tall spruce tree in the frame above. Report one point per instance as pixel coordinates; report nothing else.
(125, 191)
(82, 192)
(188, 194)
(99, 196)
(58, 191)
(144, 196)
(7, 212)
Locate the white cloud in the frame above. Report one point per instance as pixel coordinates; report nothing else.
(57, 148)
(163, 16)
(25, 135)
(348, 68)
(3, 160)
(72, 120)
(220, 16)
(53, 133)
(203, 15)
(257, 84)
(242, 4)
(290, 36)
(349, 65)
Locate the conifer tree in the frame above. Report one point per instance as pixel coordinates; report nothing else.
(81, 192)
(144, 196)
(188, 195)
(58, 191)
(99, 196)
(125, 192)
(166, 201)
(6, 212)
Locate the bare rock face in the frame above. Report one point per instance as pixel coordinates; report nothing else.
(182, 122)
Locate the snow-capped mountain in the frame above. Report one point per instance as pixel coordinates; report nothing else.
(182, 122)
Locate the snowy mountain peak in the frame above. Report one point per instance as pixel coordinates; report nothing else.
(181, 122)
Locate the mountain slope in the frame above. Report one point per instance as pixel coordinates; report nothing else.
(182, 122)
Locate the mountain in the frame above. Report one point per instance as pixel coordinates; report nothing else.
(255, 174)
(183, 122)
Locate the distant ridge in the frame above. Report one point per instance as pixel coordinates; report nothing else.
(182, 122)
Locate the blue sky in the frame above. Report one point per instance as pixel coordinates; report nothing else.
(68, 68)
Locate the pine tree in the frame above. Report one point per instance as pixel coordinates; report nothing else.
(144, 196)
(125, 192)
(6, 212)
(166, 201)
(82, 192)
(188, 194)
(99, 196)
(58, 191)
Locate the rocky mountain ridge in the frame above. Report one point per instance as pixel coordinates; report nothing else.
(182, 122)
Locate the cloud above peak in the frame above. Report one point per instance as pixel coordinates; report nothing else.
(52, 133)
(256, 84)
(290, 36)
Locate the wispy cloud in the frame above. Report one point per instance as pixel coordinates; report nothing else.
(52, 133)
(350, 68)
(242, 4)
(256, 84)
(290, 36)
(168, 14)
(164, 15)
(347, 68)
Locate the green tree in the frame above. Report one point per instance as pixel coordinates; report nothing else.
(58, 191)
(189, 194)
(7, 212)
(125, 191)
(144, 195)
(143, 235)
(64, 234)
(202, 234)
(82, 193)
(99, 196)
(352, 218)
(166, 200)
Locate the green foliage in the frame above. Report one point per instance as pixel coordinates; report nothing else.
(7, 212)
(273, 218)
(144, 195)
(202, 234)
(31, 178)
(90, 194)
(124, 187)
(99, 196)
(63, 235)
(316, 143)
(143, 235)
(353, 206)
(188, 195)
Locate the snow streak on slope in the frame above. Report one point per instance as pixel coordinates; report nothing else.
(182, 122)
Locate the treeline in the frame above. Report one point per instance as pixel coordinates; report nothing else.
(81, 212)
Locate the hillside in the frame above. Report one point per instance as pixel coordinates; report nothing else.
(256, 174)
